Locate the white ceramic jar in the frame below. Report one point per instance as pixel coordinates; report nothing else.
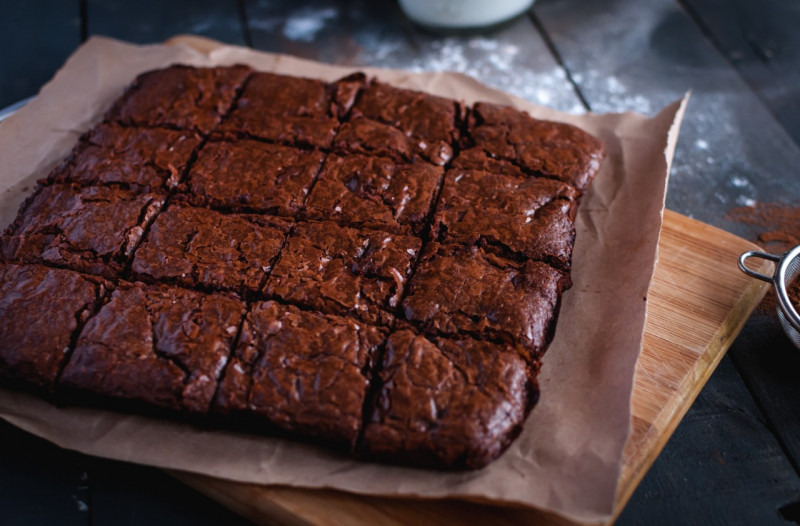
(461, 14)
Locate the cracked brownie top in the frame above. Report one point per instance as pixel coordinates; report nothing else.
(365, 266)
(156, 345)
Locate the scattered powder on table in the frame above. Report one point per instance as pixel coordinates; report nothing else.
(780, 224)
(779, 230)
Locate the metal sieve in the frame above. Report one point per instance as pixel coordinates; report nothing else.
(787, 271)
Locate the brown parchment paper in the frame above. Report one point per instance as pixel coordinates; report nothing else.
(568, 458)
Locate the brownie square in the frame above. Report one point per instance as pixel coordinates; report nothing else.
(345, 271)
(301, 372)
(196, 247)
(180, 96)
(156, 345)
(402, 122)
(91, 229)
(40, 310)
(253, 176)
(460, 290)
(291, 110)
(546, 148)
(141, 158)
(521, 217)
(374, 192)
(447, 403)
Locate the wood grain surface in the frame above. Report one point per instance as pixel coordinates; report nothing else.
(761, 40)
(698, 303)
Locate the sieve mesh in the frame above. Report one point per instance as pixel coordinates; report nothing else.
(792, 274)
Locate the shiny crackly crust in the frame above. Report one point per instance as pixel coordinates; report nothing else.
(199, 247)
(345, 271)
(374, 192)
(485, 296)
(547, 148)
(302, 372)
(143, 158)
(383, 267)
(523, 217)
(401, 123)
(34, 346)
(252, 176)
(90, 229)
(155, 345)
(180, 97)
(292, 110)
(429, 386)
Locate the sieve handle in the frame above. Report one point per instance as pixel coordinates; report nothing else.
(761, 255)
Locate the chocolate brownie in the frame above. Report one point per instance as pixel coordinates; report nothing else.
(253, 176)
(302, 372)
(550, 149)
(144, 158)
(401, 122)
(467, 290)
(447, 403)
(374, 192)
(155, 345)
(524, 217)
(370, 267)
(40, 310)
(368, 137)
(180, 96)
(291, 110)
(345, 271)
(90, 229)
(199, 247)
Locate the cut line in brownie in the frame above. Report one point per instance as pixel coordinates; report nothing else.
(253, 176)
(291, 110)
(141, 158)
(368, 267)
(179, 96)
(301, 372)
(210, 250)
(375, 193)
(520, 217)
(428, 386)
(41, 308)
(90, 229)
(155, 345)
(458, 290)
(344, 271)
(551, 149)
(401, 123)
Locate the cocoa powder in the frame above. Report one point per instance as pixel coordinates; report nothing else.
(780, 224)
(779, 230)
(794, 293)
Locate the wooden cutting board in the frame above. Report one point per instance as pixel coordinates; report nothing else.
(698, 303)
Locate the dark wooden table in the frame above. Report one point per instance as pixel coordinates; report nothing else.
(735, 459)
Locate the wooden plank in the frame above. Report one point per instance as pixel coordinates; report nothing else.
(684, 283)
(127, 494)
(513, 58)
(761, 40)
(150, 21)
(641, 54)
(696, 308)
(48, 31)
(773, 363)
(725, 467)
(32, 467)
